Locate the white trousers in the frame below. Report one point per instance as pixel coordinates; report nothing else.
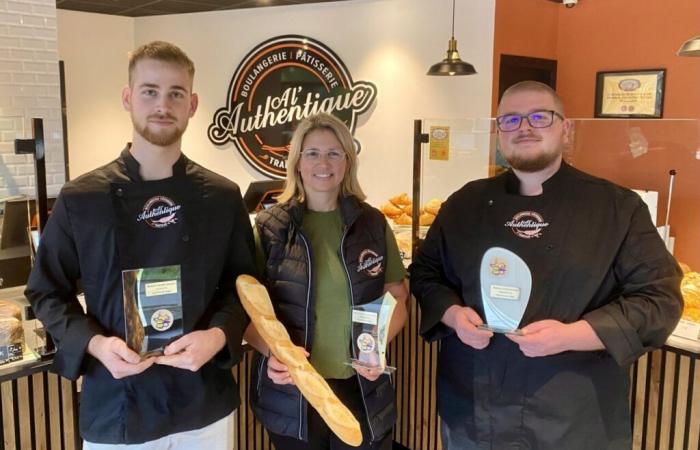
(217, 436)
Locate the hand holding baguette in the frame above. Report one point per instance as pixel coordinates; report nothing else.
(257, 304)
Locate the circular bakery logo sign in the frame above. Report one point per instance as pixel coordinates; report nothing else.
(527, 224)
(279, 83)
(370, 263)
(159, 212)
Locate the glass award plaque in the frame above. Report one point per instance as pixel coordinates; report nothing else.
(152, 308)
(506, 283)
(370, 326)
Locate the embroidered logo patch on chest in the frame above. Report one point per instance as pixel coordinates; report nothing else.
(370, 263)
(159, 212)
(527, 224)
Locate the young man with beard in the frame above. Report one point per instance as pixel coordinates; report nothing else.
(151, 207)
(604, 291)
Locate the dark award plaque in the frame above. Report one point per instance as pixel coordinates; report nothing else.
(152, 308)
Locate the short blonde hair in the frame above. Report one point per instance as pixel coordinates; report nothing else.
(294, 186)
(160, 51)
(534, 86)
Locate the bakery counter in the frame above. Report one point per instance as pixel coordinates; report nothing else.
(665, 400)
(39, 408)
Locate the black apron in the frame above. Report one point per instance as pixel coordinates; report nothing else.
(156, 225)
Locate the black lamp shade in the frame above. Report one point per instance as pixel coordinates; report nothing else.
(452, 65)
(447, 67)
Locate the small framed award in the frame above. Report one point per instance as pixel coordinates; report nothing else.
(630, 94)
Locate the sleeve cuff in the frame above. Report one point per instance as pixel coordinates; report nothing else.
(433, 307)
(233, 324)
(619, 338)
(71, 351)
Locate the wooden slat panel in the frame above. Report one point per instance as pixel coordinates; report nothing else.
(417, 426)
(24, 413)
(665, 429)
(674, 430)
(40, 436)
(68, 405)
(8, 416)
(694, 425)
(637, 398)
(54, 411)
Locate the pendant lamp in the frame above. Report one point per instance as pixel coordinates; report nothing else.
(452, 64)
(691, 47)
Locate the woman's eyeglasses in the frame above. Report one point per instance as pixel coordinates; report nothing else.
(315, 155)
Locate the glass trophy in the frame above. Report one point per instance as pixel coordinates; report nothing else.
(506, 283)
(370, 325)
(152, 308)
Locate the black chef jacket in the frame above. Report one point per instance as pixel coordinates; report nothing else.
(594, 254)
(109, 220)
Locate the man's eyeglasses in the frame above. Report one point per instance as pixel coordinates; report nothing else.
(315, 155)
(536, 119)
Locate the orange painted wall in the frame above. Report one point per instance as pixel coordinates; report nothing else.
(628, 34)
(524, 28)
(604, 35)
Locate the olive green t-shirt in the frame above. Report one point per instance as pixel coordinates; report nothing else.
(331, 292)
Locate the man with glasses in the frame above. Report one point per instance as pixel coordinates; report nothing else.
(604, 291)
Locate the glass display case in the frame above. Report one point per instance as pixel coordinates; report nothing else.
(23, 339)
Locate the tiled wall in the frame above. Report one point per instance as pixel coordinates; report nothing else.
(29, 87)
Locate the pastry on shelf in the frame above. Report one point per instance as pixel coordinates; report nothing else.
(401, 200)
(10, 309)
(390, 210)
(403, 219)
(426, 219)
(690, 288)
(433, 206)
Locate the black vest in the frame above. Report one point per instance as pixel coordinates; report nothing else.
(289, 267)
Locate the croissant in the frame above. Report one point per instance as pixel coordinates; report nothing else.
(433, 206)
(426, 219)
(403, 219)
(401, 200)
(390, 210)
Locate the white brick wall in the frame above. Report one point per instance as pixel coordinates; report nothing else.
(29, 87)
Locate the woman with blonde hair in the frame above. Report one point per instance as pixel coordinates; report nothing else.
(315, 245)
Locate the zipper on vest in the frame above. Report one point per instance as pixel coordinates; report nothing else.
(262, 364)
(306, 326)
(352, 336)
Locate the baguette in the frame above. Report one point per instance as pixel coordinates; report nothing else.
(315, 389)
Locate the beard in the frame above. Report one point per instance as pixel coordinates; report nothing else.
(541, 162)
(161, 138)
(519, 159)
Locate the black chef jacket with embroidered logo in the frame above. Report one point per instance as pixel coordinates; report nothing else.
(596, 256)
(93, 234)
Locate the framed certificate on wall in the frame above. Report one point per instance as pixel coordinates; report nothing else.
(635, 94)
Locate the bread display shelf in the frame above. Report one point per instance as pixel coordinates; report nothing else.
(313, 387)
